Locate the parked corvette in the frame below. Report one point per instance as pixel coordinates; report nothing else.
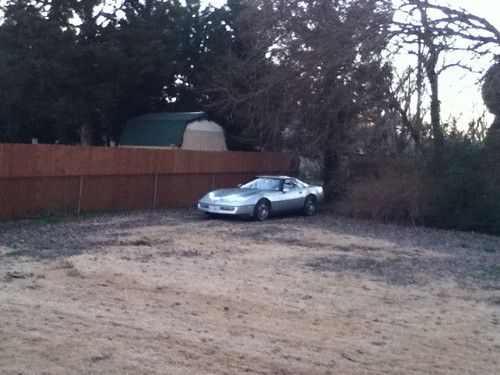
(263, 196)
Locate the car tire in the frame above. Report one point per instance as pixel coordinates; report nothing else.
(262, 210)
(309, 206)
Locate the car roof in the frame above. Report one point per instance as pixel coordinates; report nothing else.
(276, 177)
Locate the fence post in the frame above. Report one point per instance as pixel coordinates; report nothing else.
(80, 196)
(155, 190)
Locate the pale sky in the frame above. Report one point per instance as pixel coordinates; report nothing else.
(460, 91)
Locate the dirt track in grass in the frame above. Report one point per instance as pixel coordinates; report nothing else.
(174, 292)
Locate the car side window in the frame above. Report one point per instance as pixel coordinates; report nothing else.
(290, 185)
(300, 184)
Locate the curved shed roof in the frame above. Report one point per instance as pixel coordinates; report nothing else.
(158, 129)
(204, 135)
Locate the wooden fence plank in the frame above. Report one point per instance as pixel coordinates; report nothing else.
(54, 178)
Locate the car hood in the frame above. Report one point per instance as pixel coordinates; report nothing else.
(232, 195)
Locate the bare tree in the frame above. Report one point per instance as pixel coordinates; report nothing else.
(429, 43)
(407, 87)
(458, 22)
(310, 73)
(448, 30)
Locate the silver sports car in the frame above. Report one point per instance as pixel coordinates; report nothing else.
(263, 196)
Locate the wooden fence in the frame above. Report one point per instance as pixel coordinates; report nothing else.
(51, 178)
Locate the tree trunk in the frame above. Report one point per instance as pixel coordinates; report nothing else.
(413, 128)
(334, 174)
(430, 68)
(437, 131)
(85, 134)
(420, 90)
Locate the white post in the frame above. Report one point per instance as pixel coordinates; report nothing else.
(155, 190)
(80, 196)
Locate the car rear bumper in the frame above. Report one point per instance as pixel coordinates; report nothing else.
(225, 209)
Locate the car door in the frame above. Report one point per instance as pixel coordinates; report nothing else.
(279, 200)
(294, 195)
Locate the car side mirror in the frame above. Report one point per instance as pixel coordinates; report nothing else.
(285, 189)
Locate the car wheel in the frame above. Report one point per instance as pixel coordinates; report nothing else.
(262, 210)
(309, 206)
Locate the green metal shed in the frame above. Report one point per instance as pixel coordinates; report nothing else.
(158, 129)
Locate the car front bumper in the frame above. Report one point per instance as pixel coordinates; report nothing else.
(225, 209)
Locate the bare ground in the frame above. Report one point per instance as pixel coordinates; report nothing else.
(173, 292)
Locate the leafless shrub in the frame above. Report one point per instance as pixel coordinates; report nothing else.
(394, 195)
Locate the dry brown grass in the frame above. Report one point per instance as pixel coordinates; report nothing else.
(393, 195)
(172, 292)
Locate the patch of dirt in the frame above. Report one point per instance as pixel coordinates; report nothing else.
(175, 292)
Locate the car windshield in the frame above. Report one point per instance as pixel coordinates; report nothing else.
(264, 184)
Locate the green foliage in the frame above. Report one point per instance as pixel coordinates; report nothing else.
(462, 194)
(73, 72)
(491, 89)
(463, 186)
(491, 96)
(466, 195)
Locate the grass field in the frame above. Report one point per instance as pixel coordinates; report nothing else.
(174, 292)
